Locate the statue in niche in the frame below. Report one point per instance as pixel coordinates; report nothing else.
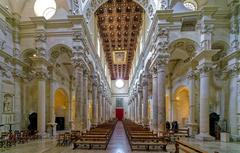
(7, 103)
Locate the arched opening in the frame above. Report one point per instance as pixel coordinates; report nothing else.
(181, 106)
(61, 108)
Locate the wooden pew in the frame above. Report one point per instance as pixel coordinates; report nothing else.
(141, 138)
(186, 148)
(97, 138)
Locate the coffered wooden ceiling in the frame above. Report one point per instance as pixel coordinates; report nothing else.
(119, 23)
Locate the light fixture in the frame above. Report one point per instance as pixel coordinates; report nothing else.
(119, 83)
(45, 8)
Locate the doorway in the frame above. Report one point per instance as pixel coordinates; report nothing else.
(119, 113)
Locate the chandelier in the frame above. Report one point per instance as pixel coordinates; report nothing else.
(45, 8)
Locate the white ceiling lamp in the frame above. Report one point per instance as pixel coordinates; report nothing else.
(45, 8)
(119, 83)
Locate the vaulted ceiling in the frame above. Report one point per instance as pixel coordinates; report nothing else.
(119, 23)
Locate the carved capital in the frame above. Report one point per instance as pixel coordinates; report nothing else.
(233, 69)
(94, 80)
(207, 28)
(162, 59)
(41, 75)
(204, 69)
(154, 71)
(191, 75)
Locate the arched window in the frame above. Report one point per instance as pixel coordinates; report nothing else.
(190, 4)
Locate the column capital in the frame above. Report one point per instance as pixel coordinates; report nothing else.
(162, 59)
(233, 69)
(191, 75)
(153, 71)
(41, 75)
(139, 88)
(204, 68)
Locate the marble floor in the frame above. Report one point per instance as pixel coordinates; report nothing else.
(118, 144)
(214, 146)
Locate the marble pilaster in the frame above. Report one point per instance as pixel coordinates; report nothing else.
(154, 99)
(85, 100)
(140, 104)
(145, 100)
(204, 68)
(161, 75)
(95, 101)
(192, 106)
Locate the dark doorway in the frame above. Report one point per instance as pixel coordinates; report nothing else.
(213, 123)
(60, 123)
(33, 122)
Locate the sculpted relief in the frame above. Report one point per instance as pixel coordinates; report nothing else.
(8, 103)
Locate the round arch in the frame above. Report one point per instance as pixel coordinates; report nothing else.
(181, 105)
(61, 105)
(57, 50)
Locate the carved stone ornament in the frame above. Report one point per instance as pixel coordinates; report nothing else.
(153, 71)
(40, 36)
(163, 32)
(7, 103)
(2, 44)
(78, 62)
(233, 69)
(234, 25)
(207, 29)
(139, 88)
(150, 10)
(145, 80)
(75, 7)
(94, 80)
(162, 59)
(16, 52)
(235, 45)
(204, 68)
(163, 5)
(191, 75)
(41, 75)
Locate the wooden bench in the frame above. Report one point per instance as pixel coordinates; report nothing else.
(149, 146)
(186, 148)
(90, 144)
(97, 138)
(141, 138)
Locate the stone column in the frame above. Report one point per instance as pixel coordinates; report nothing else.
(85, 100)
(41, 118)
(52, 124)
(145, 100)
(95, 101)
(140, 103)
(204, 69)
(155, 99)
(234, 104)
(70, 103)
(192, 106)
(79, 97)
(136, 107)
(18, 100)
(161, 72)
(99, 104)
(104, 109)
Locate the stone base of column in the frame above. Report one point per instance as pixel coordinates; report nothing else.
(234, 138)
(52, 129)
(204, 137)
(193, 127)
(71, 125)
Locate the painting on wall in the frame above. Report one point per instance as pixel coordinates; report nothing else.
(119, 57)
(119, 102)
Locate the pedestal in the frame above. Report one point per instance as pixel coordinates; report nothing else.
(225, 137)
(52, 129)
(204, 137)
